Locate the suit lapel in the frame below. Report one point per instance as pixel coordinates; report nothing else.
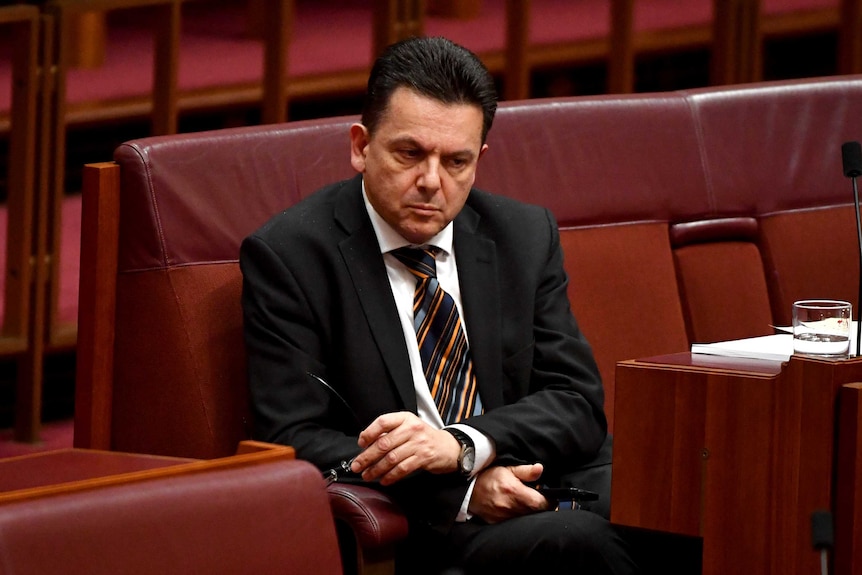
(361, 254)
(480, 294)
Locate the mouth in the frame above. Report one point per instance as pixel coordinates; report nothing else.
(425, 210)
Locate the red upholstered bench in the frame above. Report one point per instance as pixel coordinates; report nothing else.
(671, 206)
(269, 517)
(688, 216)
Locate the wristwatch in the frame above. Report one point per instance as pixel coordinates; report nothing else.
(467, 457)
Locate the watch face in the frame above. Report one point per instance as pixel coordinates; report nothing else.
(468, 460)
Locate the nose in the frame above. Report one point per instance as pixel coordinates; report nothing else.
(429, 175)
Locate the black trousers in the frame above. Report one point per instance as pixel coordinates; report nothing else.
(549, 542)
(566, 541)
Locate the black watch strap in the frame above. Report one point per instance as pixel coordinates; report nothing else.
(467, 457)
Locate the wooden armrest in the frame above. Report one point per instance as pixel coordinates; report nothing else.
(252, 446)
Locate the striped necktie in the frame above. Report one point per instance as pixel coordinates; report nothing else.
(442, 342)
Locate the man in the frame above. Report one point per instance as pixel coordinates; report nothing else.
(345, 355)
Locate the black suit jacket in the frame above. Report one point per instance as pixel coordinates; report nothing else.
(316, 299)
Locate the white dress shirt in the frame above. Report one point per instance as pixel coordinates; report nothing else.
(403, 285)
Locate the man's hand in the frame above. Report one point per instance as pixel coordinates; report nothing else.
(398, 444)
(500, 493)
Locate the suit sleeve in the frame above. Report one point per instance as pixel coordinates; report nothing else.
(285, 347)
(554, 410)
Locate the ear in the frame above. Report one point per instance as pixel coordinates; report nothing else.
(483, 150)
(358, 146)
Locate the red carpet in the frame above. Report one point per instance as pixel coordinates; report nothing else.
(54, 435)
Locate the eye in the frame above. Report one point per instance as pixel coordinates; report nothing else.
(409, 153)
(458, 162)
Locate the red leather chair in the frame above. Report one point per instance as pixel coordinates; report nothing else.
(269, 518)
(161, 361)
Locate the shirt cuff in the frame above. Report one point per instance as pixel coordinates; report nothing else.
(485, 453)
(464, 514)
(485, 449)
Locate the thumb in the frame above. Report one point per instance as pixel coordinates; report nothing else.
(528, 473)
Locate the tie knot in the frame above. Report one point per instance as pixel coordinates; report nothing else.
(420, 262)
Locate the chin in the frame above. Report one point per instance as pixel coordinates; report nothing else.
(417, 238)
(420, 234)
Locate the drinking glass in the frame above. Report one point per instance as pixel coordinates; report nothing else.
(822, 327)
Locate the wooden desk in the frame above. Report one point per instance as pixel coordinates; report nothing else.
(740, 453)
(74, 469)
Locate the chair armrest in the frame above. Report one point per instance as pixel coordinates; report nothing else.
(374, 518)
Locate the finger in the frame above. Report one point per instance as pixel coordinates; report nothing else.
(387, 464)
(400, 471)
(532, 499)
(376, 453)
(404, 429)
(371, 455)
(527, 495)
(407, 433)
(528, 473)
(383, 424)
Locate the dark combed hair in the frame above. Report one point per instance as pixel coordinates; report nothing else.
(433, 67)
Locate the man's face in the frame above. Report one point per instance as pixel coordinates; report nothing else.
(420, 163)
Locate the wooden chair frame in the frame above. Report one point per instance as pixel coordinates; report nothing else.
(619, 49)
(23, 271)
(56, 114)
(735, 37)
(248, 453)
(22, 23)
(850, 40)
(845, 19)
(520, 57)
(848, 532)
(97, 306)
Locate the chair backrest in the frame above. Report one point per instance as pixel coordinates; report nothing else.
(176, 379)
(270, 518)
(773, 151)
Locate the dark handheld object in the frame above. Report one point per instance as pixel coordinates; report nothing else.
(333, 475)
(343, 470)
(568, 494)
(851, 157)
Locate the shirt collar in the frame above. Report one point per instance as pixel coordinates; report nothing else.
(389, 239)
